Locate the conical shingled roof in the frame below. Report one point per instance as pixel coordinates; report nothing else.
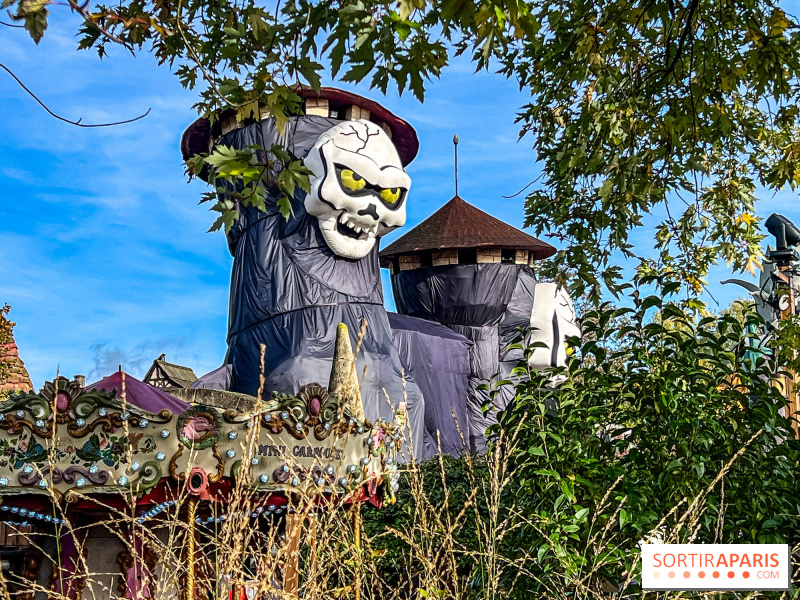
(458, 224)
(13, 374)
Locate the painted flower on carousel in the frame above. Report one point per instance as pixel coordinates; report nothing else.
(26, 453)
(198, 427)
(195, 427)
(99, 449)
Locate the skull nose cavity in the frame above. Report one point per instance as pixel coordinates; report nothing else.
(371, 211)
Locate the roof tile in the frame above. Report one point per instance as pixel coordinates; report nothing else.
(458, 224)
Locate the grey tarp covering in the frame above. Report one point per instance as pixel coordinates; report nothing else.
(220, 378)
(437, 358)
(485, 303)
(289, 291)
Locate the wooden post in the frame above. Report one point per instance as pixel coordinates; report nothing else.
(312, 558)
(357, 543)
(291, 576)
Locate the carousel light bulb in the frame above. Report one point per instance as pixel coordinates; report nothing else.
(329, 470)
(255, 460)
(27, 470)
(20, 413)
(365, 461)
(232, 435)
(263, 478)
(343, 482)
(123, 480)
(125, 415)
(4, 481)
(161, 456)
(102, 412)
(39, 423)
(93, 469)
(165, 433)
(230, 453)
(144, 423)
(351, 469)
(284, 415)
(42, 483)
(80, 422)
(81, 482)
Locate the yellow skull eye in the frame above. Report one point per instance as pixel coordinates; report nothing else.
(352, 180)
(390, 195)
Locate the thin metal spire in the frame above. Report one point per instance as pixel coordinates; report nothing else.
(455, 147)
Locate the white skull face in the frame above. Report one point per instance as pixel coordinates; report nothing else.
(358, 187)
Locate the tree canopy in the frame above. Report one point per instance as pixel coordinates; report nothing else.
(681, 108)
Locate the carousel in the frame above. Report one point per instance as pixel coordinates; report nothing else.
(109, 499)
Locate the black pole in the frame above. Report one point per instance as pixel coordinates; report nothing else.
(455, 148)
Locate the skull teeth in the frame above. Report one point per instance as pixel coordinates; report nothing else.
(358, 228)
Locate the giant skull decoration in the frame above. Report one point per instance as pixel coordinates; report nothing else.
(358, 187)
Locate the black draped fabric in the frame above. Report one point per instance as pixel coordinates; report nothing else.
(289, 291)
(438, 359)
(486, 303)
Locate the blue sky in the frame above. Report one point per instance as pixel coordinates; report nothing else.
(105, 255)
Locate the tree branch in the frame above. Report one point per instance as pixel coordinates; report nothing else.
(60, 118)
(87, 17)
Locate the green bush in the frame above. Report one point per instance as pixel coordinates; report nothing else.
(663, 429)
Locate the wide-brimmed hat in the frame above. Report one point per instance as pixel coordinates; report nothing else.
(200, 136)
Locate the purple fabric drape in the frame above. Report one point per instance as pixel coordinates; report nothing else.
(140, 394)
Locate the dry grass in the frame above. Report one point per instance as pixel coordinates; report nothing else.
(319, 550)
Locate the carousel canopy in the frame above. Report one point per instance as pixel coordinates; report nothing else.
(139, 394)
